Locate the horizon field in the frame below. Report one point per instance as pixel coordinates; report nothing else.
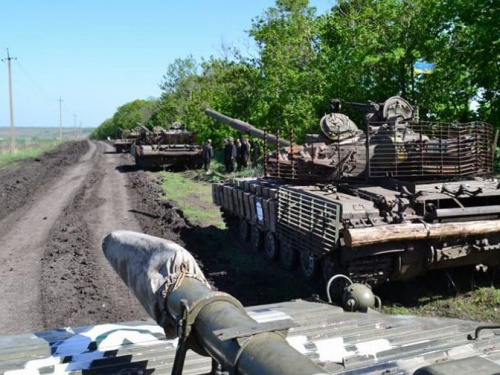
(30, 137)
(35, 132)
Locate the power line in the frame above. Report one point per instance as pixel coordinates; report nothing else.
(32, 80)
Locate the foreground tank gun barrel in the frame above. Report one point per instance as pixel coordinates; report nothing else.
(245, 127)
(171, 287)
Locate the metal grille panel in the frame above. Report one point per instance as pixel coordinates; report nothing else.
(308, 221)
(430, 149)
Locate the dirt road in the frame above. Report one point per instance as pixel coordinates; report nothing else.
(51, 264)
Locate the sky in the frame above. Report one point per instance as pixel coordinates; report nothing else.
(97, 55)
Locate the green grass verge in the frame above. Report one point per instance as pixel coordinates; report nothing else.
(192, 197)
(33, 151)
(482, 304)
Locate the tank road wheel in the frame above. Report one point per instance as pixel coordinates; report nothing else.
(288, 255)
(328, 269)
(255, 238)
(308, 265)
(244, 231)
(271, 246)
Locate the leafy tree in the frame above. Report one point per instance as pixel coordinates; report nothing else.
(189, 88)
(105, 130)
(180, 84)
(360, 50)
(230, 88)
(289, 82)
(370, 46)
(127, 117)
(137, 112)
(474, 25)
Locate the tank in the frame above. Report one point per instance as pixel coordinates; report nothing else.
(127, 137)
(174, 148)
(384, 201)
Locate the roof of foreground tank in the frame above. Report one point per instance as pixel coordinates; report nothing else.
(340, 342)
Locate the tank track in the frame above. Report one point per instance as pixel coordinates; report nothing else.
(370, 270)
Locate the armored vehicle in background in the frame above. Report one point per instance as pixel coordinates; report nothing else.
(387, 201)
(126, 139)
(174, 148)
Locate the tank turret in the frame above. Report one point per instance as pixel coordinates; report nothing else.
(391, 143)
(127, 137)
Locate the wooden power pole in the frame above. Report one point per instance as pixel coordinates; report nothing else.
(11, 103)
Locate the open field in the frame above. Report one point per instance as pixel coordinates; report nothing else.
(31, 142)
(29, 136)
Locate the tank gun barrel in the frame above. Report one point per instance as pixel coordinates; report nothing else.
(355, 104)
(171, 287)
(370, 106)
(245, 127)
(140, 126)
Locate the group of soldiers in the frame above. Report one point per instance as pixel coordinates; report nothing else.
(237, 154)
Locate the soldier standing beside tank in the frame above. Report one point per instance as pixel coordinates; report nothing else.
(255, 152)
(237, 144)
(208, 155)
(229, 155)
(245, 152)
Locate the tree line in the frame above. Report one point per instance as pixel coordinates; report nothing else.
(360, 50)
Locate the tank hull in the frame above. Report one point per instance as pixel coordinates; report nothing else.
(361, 229)
(175, 157)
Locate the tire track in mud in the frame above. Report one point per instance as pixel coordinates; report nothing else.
(80, 288)
(21, 180)
(24, 233)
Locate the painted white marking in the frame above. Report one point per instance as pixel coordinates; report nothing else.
(264, 316)
(332, 350)
(460, 349)
(372, 348)
(298, 343)
(260, 211)
(106, 337)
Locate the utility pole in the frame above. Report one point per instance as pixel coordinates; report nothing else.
(11, 104)
(80, 131)
(60, 118)
(74, 124)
